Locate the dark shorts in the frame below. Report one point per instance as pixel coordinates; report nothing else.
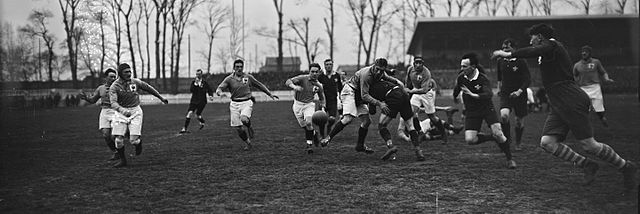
(474, 122)
(197, 107)
(332, 108)
(517, 104)
(569, 112)
(399, 102)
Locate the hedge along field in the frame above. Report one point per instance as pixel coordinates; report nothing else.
(54, 161)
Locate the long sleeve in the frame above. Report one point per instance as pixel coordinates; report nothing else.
(113, 96)
(148, 88)
(223, 85)
(208, 88)
(193, 89)
(96, 95)
(456, 88)
(259, 85)
(533, 51)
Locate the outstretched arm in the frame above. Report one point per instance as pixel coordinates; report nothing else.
(148, 88)
(262, 87)
(94, 98)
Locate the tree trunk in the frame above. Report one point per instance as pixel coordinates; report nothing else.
(164, 53)
(102, 45)
(140, 50)
(133, 54)
(157, 42)
(172, 52)
(209, 54)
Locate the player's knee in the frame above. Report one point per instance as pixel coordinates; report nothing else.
(245, 120)
(119, 142)
(548, 143)
(590, 145)
(106, 133)
(136, 141)
(470, 139)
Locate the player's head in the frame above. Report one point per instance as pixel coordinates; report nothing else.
(238, 65)
(110, 75)
(199, 73)
(418, 62)
(585, 51)
(469, 63)
(314, 70)
(509, 44)
(380, 66)
(328, 65)
(124, 71)
(540, 32)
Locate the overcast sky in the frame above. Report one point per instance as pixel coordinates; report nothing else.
(259, 13)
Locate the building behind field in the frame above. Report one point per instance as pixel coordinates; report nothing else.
(289, 64)
(614, 38)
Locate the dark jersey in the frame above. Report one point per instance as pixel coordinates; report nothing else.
(199, 90)
(514, 74)
(480, 85)
(332, 85)
(555, 64)
(380, 87)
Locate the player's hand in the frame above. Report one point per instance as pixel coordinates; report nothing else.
(609, 80)
(466, 90)
(164, 100)
(408, 91)
(384, 108)
(297, 88)
(210, 98)
(127, 113)
(515, 93)
(82, 95)
(275, 97)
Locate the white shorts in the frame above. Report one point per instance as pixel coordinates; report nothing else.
(427, 100)
(425, 125)
(106, 116)
(348, 97)
(238, 109)
(120, 123)
(303, 112)
(595, 94)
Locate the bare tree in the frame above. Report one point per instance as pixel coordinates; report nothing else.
(223, 56)
(215, 17)
(546, 7)
(512, 7)
(279, 7)
(330, 26)
(448, 7)
(142, 9)
(69, 17)
(493, 6)
(100, 17)
(181, 16)
(38, 27)
(162, 6)
(117, 28)
(126, 13)
(358, 9)
(462, 4)
(585, 5)
(301, 28)
(621, 5)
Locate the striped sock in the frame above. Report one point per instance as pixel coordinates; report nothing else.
(567, 154)
(607, 154)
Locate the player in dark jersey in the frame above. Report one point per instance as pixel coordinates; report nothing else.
(106, 114)
(199, 90)
(513, 80)
(241, 106)
(389, 95)
(569, 108)
(477, 94)
(332, 84)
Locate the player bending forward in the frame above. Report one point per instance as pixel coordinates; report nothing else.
(305, 87)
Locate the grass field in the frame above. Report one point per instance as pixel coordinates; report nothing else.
(54, 161)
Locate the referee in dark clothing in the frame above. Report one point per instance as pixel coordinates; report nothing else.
(513, 80)
(477, 93)
(332, 85)
(199, 90)
(570, 108)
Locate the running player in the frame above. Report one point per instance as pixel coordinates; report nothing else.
(106, 114)
(513, 81)
(305, 87)
(569, 108)
(241, 106)
(477, 94)
(125, 100)
(589, 72)
(199, 90)
(422, 94)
